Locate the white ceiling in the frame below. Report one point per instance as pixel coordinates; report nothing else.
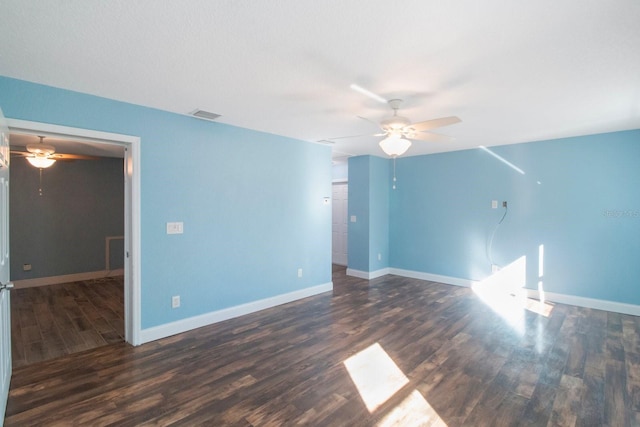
(67, 146)
(513, 71)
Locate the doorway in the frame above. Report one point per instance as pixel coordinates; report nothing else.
(67, 247)
(131, 147)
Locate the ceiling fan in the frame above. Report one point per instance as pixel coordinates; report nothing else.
(43, 155)
(398, 130)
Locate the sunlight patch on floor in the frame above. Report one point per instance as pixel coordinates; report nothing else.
(377, 378)
(375, 375)
(505, 294)
(414, 410)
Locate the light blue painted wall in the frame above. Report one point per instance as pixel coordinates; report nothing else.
(578, 197)
(358, 232)
(380, 181)
(369, 184)
(251, 202)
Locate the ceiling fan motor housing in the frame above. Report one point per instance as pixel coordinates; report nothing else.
(41, 149)
(395, 123)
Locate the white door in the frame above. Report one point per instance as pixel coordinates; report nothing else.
(339, 224)
(5, 312)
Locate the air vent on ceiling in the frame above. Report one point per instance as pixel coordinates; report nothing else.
(206, 115)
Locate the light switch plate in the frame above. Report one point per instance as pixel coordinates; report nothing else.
(175, 228)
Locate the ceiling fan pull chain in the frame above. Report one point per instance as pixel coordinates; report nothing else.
(40, 188)
(394, 172)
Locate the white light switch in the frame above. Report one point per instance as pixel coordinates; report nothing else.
(175, 228)
(353, 218)
(494, 204)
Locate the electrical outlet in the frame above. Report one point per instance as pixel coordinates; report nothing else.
(494, 204)
(175, 301)
(504, 204)
(26, 267)
(299, 272)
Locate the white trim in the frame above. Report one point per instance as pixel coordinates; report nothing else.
(368, 275)
(107, 250)
(598, 304)
(25, 126)
(66, 278)
(447, 280)
(179, 326)
(132, 280)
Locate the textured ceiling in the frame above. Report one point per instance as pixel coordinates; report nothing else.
(512, 71)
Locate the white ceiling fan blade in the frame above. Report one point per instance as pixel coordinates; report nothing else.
(368, 93)
(353, 136)
(435, 123)
(369, 120)
(431, 137)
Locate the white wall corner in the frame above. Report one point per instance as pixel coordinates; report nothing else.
(184, 325)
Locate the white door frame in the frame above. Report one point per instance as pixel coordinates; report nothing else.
(132, 276)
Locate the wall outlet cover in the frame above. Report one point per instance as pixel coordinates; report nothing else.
(175, 301)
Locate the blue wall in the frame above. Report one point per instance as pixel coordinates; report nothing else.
(251, 202)
(578, 197)
(369, 201)
(63, 230)
(358, 232)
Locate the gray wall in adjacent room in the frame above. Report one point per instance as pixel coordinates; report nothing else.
(63, 231)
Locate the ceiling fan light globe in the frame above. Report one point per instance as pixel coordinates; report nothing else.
(394, 146)
(40, 161)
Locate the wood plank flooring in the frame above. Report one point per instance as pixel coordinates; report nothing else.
(458, 362)
(57, 320)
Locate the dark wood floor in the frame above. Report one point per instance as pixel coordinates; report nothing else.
(422, 353)
(57, 320)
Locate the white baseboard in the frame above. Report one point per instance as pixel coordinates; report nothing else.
(368, 275)
(598, 304)
(67, 278)
(447, 280)
(184, 325)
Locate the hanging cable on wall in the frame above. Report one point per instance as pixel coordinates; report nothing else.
(493, 234)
